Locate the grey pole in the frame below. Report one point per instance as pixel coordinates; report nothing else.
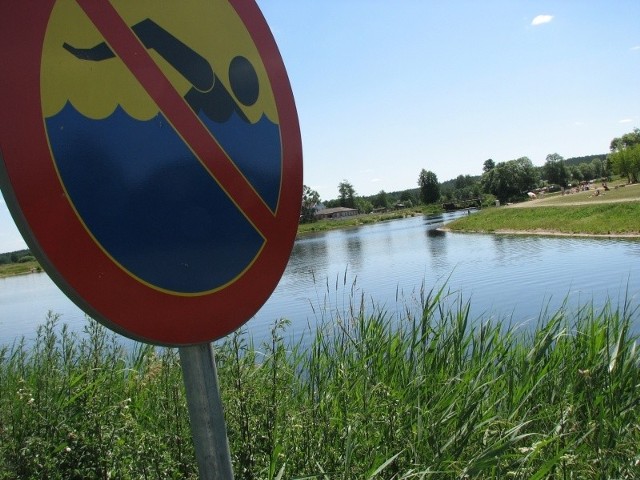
(208, 428)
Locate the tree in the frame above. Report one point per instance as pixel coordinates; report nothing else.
(429, 187)
(627, 140)
(488, 165)
(576, 173)
(408, 198)
(587, 171)
(363, 205)
(462, 181)
(460, 189)
(626, 162)
(625, 156)
(310, 199)
(510, 180)
(597, 167)
(555, 170)
(381, 200)
(347, 194)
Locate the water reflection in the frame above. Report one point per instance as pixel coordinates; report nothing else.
(437, 245)
(354, 250)
(529, 248)
(312, 248)
(436, 233)
(386, 236)
(634, 248)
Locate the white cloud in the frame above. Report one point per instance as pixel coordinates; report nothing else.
(626, 120)
(540, 19)
(637, 47)
(376, 180)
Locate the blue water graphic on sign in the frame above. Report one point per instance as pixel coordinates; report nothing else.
(152, 206)
(252, 148)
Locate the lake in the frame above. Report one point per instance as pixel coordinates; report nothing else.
(510, 277)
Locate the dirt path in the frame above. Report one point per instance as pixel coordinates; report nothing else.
(580, 198)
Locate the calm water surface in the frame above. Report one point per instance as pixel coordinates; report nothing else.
(511, 277)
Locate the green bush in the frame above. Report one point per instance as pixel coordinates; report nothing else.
(488, 200)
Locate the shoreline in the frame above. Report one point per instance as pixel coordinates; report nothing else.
(576, 215)
(548, 233)
(18, 274)
(16, 269)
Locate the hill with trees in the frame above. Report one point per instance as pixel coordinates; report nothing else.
(507, 181)
(15, 257)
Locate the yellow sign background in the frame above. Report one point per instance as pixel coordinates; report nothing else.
(210, 27)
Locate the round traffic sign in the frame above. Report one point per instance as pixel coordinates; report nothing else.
(151, 157)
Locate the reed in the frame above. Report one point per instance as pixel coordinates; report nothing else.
(424, 392)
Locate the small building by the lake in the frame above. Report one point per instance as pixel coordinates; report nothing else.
(337, 212)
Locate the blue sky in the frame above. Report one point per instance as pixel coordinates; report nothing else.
(385, 89)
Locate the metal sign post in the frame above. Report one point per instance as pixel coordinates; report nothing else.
(205, 411)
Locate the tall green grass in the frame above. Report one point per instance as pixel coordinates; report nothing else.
(430, 393)
(77, 408)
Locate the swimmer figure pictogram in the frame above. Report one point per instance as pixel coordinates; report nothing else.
(208, 94)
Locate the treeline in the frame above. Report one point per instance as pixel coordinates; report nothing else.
(515, 179)
(569, 162)
(484, 188)
(15, 257)
(508, 181)
(505, 181)
(348, 198)
(511, 180)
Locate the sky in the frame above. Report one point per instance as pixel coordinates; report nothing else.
(385, 89)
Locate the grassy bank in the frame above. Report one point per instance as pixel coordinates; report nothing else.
(365, 219)
(10, 269)
(597, 219)
(428, 395)
(619, 191)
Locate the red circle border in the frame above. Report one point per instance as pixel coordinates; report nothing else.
(66, 251)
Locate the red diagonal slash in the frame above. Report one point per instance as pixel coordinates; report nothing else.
(130, 50)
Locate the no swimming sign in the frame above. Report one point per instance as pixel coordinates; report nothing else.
(151, 157)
